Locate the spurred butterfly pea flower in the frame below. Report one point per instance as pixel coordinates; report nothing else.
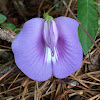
(46, 47)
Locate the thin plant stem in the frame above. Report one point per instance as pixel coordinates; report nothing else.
(54, 6)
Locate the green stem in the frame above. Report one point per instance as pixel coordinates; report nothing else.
(54, 6)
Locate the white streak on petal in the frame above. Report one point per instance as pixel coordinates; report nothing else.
(55, 57)
(49, 57)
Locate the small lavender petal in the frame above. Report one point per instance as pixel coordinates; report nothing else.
(29, 51)
(53, 35)
(69, 50)
(46, 33)
(50, 34)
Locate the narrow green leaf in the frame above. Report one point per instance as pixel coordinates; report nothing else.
(2, 18)
(10, 26)
(88, 16)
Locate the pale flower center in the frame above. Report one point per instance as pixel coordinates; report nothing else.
(50, 36)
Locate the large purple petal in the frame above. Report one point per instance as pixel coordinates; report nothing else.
(29, 51)
(69, 50)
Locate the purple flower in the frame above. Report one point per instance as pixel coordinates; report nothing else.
(41, 50)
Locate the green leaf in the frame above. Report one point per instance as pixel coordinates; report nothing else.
(99, 8)
(17, 31)
(2, 18)
(10, 26)
(88, 16)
